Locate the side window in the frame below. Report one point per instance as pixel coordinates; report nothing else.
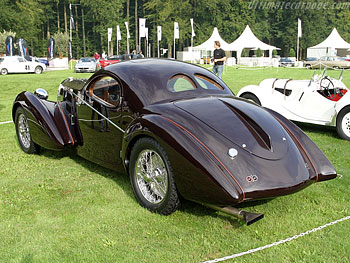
(180, 83)
(107, 90)
(21, 60)
(207, 83)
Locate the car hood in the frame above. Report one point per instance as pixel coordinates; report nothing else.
(246, 125)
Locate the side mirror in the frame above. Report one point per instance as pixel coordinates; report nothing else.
(41, 93)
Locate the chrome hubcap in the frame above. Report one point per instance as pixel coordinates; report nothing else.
(23, 131)
(346, 124)
(151, 176)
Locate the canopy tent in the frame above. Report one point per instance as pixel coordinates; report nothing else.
(209, 44)
(248, 40)
(333, 43)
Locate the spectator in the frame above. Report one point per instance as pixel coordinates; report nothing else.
(219, 59)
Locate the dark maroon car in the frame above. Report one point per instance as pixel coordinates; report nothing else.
(177, 130)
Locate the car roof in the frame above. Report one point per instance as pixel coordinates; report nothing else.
(148, 79)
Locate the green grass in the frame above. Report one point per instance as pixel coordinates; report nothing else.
(57, 207)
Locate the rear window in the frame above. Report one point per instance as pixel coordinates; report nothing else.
(207, 83)
(180, 83)
(1, 60)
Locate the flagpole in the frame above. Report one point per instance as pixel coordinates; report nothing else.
(298, 48)
(174, 47)
(70, 35)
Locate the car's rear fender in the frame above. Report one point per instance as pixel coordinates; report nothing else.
(198, 174)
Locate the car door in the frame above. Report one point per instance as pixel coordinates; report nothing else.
(311, 106)
(23, 65)
(99, 119)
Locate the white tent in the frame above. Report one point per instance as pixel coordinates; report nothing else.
(332, 45)
(209, 44)
(248, 40)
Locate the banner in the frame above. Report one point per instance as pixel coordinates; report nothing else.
(146, 30)
(110, 34)
(51, 49)
(70, 50)
(142, 23)
(22, 48)
(127, 30)
(176, 30)
(9, 46)
(193, 34)
(299, 27)
(159, 33)
(71, 19)
(119, 36)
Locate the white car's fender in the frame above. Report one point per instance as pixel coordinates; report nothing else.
(343, 102)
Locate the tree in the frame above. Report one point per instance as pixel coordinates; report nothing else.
(62, 43)
(259, 53)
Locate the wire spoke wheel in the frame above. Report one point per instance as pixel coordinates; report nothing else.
(23, 129)
(151, 176)
(23, 133)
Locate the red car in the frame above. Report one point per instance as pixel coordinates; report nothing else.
(110, 60)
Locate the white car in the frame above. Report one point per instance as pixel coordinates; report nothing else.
(17, 64)
(87, 65)
(321, 100)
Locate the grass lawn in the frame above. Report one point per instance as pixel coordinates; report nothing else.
(57, 207)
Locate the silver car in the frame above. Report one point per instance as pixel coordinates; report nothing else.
(87, 65)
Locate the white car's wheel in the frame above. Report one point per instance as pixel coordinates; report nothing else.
(4, 71)
(251, 97)
(38, 70)
(343, 123)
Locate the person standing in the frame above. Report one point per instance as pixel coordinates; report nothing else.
(219, 59)
(97, 56)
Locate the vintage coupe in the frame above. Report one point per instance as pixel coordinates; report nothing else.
(321, 100)
(177, 130)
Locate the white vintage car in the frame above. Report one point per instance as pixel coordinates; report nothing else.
(17, 64)
(321, 100)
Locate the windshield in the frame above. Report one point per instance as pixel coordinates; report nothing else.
(87, 60)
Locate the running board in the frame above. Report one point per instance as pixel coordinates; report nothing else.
(248, 217)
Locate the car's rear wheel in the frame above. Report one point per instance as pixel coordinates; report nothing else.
(151, 177)
(308, 66)
(343, 123)
(251, 97)
(38, 70)
(4, 71)
(23, 133)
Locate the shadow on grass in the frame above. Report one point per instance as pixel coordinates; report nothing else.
(320, 129)
(122, 179)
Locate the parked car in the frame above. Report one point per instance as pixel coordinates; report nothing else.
(328, 62)
(286, 62)
(87, 65)
(321, 100)
(111, 60)
(17, 64)
(177, 130)
(41, 60)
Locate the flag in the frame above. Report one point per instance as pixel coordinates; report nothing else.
(119, 36)
(142, 24)
(70, 56)
(299, 27)
(110, 34)
(176, 30)
(193, 34)
(159, 33)
(127, 30)
(146, 31)
(71, 17)
(9, 46)
(51, 48)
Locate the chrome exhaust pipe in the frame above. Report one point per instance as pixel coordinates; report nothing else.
(248, 217)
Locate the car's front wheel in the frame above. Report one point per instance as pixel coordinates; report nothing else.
(38, 70)
(23, 133)
(343, 123)
(152, 177)
(4, 71)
